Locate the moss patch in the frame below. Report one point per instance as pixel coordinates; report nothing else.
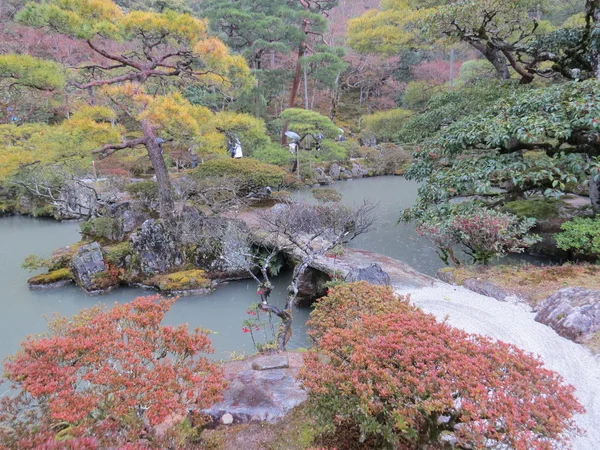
(181, 281)
(534, 283)
(51, 277)
(545, 208)
(116, 254)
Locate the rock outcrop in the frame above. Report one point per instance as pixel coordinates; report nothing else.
(572, 312)
(311, 287)
(157, 250)
(373, 274)
(261, 388)
(89, 270)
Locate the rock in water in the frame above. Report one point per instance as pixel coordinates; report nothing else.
(373, 274)
(157, 249)
(88, 268)
(572, 312)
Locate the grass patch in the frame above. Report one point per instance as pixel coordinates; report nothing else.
(51, 277)
(534, 283)
(181, 281)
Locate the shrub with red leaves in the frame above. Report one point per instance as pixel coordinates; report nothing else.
(409, 381)
(107, 379)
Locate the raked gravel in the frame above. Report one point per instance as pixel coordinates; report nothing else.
(514, 323)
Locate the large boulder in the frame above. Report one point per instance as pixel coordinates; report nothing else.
(89, 270)
(358, 171)
(373, 274)
(572, 312)
(156, 249)
(261, 388)
(311, 286)
(128, 216)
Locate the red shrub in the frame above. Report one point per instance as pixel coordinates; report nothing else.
(407, 379)
(107, 378)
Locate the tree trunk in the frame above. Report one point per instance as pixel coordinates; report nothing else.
(495, 57)
(165, 198)
(592, 12)
(595, 194)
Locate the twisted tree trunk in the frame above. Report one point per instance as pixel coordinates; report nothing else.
(165, 197)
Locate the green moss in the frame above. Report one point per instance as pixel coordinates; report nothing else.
(116, 254)
(7, 207)
(541, 208)
(181, 281)
(51, 277)
(100, 228)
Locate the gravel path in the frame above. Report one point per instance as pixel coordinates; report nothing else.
(512, 323)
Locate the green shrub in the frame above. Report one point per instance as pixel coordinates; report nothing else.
(384, 124)
(146, 191)
(581, 235)
(116, 254)
(104, 228)
(274, 154)
(254, 174)
(418, 93)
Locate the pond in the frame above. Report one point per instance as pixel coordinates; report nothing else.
(224, 310)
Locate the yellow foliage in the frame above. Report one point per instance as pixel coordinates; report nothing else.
(32, 72)
(181, 28)
(396, 25)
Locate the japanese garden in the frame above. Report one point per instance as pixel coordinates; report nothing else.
(300, 224)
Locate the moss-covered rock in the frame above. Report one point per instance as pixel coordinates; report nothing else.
(54, 278)
(117, 255)
(180, 282)
(539, 208)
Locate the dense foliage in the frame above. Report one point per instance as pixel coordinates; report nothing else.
(107, 377)
(404, 379)
(253, 175)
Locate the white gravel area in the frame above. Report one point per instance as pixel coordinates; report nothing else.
(514, 324)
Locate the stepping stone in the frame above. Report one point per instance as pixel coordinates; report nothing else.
(271, 362)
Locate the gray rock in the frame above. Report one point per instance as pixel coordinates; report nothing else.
(156, 248)
(334, 171)
(76, 199)
(373, 274)
(128, 215)
(358, 171)
(485, 287)
(311, 286)
(572, 312)
(271, 362)
(259, 395)
(88, 266)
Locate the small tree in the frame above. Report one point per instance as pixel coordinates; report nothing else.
(403, 380)
(107, 378)
(310, 232)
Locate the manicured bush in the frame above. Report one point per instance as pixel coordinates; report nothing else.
(254, 174)
(384, 124)
(401, 379)
(581, 235)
